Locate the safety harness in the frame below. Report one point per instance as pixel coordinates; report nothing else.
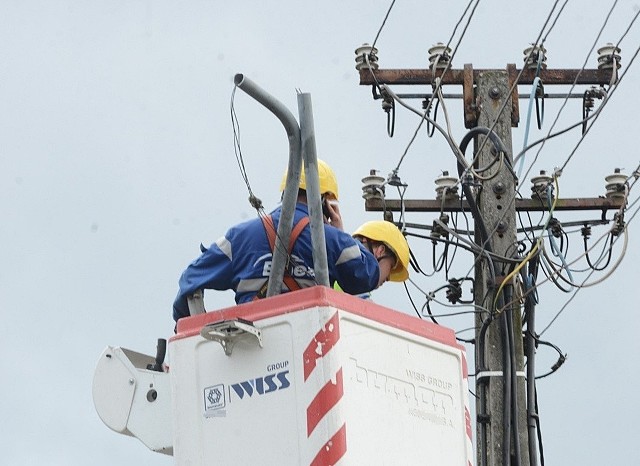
(270, 230)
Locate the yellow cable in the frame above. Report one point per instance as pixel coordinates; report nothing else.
(533, 250)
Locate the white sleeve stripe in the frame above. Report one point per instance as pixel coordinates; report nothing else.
(350, 253)
(225, 246)
(250, 284)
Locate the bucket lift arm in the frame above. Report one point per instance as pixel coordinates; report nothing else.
(133, 399)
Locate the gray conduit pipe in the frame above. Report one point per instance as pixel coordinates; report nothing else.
(290, 195)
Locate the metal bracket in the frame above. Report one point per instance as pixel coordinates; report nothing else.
(229, 332)
(196, 303)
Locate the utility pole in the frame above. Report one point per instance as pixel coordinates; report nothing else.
(490, 100)
(499, 218)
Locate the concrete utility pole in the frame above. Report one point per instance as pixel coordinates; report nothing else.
(499, 217)
(490, 99)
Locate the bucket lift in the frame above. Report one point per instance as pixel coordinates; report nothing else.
(311, 377)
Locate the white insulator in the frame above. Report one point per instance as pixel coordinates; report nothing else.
(539, 185)
(441, 53)
(446, 186)
(615, 184)
(366, 57)
(532, 57)
(607, 55)
(373, 186)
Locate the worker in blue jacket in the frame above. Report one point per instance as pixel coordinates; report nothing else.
(241, 259)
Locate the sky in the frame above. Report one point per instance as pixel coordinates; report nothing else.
(117, 160)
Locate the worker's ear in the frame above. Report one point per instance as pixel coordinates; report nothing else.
(385, 249)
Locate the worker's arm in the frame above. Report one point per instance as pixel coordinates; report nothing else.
(212, 270)
(354, 268)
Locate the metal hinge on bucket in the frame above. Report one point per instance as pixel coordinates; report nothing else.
(229, 332)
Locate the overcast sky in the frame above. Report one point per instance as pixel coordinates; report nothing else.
(117, 161)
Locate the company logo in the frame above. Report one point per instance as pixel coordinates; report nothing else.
(214, 398)
(295, 267)
(261, 385)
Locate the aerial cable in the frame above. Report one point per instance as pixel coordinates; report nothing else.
(596, 114)
(384, 21)
(424, 116)
(255, 202)
(406, 289)
(515, 82)
(584, 284)
(628, 28)
(564, 103)
(554, 248)
(609, 252)
(590, 117)
(438, 84)
(532, 96)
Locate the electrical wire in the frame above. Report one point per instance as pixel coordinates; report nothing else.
(438, 82)
(585, 284)
(576, 285)
(384, 21)
(533, 249)
(565, 101)
(255, 202)
(517, 79)
(597, 113)
(406, 289)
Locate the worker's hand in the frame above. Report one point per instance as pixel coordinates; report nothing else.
(331, 211)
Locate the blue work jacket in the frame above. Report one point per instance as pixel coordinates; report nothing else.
(241, 261)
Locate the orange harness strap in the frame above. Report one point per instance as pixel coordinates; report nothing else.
(269, 228)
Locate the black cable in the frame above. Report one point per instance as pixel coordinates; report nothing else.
(483, 418)
(384, 21)
(477, 216)
(429, 313)
(431, 127)
(406, 288)
(413, 261)
(506, 392)
(513, 381)
(550, 274)
(437, 265)
(539, 431)
(530, 350)
(540, 108)
(561, 357)
(609, 254)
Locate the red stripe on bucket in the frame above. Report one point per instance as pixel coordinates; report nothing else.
(333, 450)
(326, 399)
(323, 341)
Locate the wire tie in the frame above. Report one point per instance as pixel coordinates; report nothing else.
(483, 374)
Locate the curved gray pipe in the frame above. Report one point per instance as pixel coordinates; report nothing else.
(302, 146)
(316, 220)
(293, 177)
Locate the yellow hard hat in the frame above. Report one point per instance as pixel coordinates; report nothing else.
(389, 234)
(327, 179)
